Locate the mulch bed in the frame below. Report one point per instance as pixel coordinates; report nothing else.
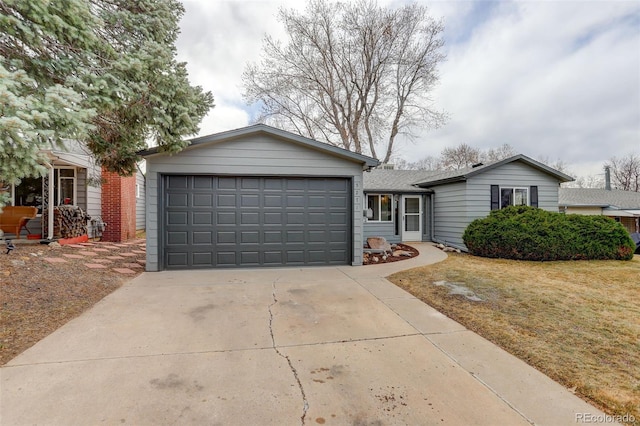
(37, 296)
(376, 259)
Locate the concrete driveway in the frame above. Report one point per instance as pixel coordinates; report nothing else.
(276, 347)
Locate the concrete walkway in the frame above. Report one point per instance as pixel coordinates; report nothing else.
(276, 347)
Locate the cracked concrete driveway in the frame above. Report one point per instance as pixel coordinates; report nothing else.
(275, 347)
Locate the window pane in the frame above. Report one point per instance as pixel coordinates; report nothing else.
(412, 223)
(385, 208)
(373, 202)
(29, 193)
(67, 172)
(66, 191)
(412, 205)
(506, 197)
(521, 197)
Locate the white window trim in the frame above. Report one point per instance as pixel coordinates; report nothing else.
(391, 199)
(75, 183)
(513, 190)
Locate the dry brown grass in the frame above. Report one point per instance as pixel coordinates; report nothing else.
(37, 297)
(578, 322)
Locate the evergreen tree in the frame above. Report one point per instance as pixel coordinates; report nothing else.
(100, 71)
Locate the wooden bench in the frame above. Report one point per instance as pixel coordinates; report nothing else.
(14, 218)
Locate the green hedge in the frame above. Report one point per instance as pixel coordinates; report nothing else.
(529, 233)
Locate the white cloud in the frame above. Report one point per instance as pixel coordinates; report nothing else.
(555, 79)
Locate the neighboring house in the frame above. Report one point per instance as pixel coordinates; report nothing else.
(623, 206)
(73, 178)
(254, 197)
(408, 205)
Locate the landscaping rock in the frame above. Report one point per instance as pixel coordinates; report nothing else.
(379, 243)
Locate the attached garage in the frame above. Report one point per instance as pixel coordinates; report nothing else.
(254, 197)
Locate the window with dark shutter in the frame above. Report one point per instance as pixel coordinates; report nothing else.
(495, 197)
(533, 193)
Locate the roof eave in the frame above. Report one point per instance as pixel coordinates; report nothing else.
(367, 161)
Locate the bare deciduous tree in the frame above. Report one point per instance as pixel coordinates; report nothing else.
(497, 154)
(459, 157)
(354, 75)
(625, 172)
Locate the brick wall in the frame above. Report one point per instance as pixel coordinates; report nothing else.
(118, 206)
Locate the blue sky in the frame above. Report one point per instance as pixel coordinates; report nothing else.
(557, 80)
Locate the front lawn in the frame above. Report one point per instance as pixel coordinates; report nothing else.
(576, 321)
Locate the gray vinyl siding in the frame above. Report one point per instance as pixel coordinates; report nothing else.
(94, 201)
(140, 204)
(252, 155)
(456, 205)
(514, 174)
(449, 210)
(381, 229)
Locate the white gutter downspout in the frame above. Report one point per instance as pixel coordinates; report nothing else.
(50, 202)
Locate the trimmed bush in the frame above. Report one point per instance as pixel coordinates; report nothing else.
(529, 233)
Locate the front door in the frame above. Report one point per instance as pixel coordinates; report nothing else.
(411, 218)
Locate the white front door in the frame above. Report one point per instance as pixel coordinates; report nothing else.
(411, 218)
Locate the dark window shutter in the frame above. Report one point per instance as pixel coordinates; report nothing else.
(495, 197)
(533, 196)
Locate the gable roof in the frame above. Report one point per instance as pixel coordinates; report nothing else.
(277, 133)
(384, 180)
(466, 173)
(593, 197)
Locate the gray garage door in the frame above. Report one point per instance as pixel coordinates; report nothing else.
(231, 221)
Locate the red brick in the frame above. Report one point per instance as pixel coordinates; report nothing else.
(118, 206)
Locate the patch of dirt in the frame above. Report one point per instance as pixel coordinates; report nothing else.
(37, 297)
(377, 258)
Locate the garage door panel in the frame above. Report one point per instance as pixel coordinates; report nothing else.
(202, 258)
(177, 182)
(249, 237)
(177, 259)
(295, 218)
(250, 258)
(272, 218)
(203, 182)
(177, 238)
(202, 237)
(177, 218)
(273, 184)
(295, 184)
(338, 202)
(250, 200)
(226, 237)
(177, 200)
(223, 221)
(295, 237)
(273, 237)
(202, 200)
(226, 218)
(273, 258)
(226, 200)
(226, 258)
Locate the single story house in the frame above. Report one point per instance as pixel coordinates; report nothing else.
(411, 205)
(74, 178)
(622, 206)
(259, 196)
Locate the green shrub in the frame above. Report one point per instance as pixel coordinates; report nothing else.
(529, 233)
